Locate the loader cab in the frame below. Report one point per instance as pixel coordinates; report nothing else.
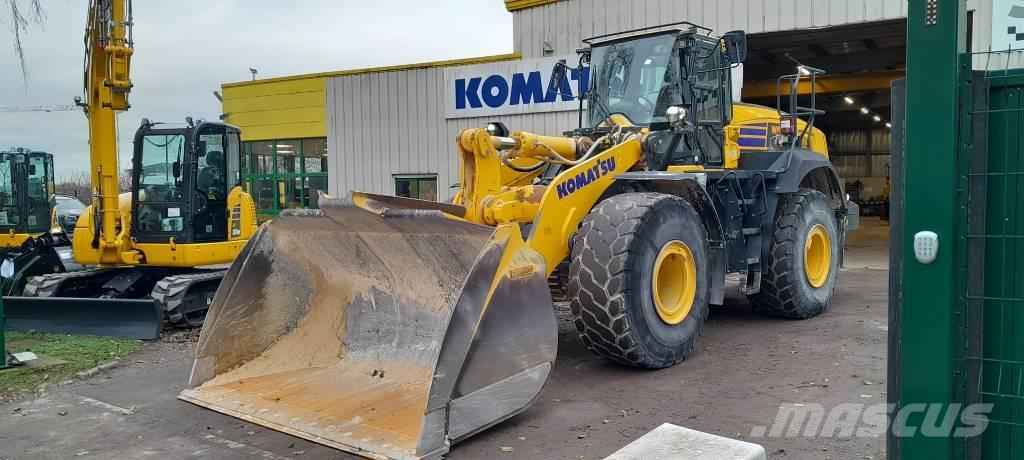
(181, 178)
(26, 185)
(675, 82)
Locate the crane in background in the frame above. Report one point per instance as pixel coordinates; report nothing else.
(40, 108)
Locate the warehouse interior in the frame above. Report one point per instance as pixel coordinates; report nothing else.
(861, 60)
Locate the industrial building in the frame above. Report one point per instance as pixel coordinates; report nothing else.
(392, 129)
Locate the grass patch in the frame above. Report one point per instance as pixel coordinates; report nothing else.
(81, 352)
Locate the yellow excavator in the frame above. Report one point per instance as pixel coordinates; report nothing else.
(149, 249)
(394, 328)
(32, 243)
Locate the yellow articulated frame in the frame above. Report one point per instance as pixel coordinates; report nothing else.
(572, 194)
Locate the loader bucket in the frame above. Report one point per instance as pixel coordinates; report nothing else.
(390, 332)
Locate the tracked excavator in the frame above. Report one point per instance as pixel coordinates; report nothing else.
(151, 249)
(32, 242)
(395, 328)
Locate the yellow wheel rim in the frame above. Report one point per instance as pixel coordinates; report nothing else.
(817, 256)
(675, 282)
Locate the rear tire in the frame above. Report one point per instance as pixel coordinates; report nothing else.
(625, 246)
(795, 283)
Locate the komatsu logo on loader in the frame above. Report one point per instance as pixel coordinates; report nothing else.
(511, 87)
(585, 177)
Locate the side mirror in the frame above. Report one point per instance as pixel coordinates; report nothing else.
(735, 46)
(31, 170)
(200, 148)
(557, 75)
(176, 169)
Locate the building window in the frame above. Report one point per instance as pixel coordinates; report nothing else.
(285, 173)
(423, 187)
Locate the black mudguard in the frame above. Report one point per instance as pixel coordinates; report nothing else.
(692, 188)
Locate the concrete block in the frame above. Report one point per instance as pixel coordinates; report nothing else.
(672, 442)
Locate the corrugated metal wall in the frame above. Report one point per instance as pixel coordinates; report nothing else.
(563, 24)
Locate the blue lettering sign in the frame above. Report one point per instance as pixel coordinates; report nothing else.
(464, 94)
(494, 91)
(526, 90)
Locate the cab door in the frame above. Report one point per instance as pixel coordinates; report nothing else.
(159, 198)
(213, 145)
(37, 182)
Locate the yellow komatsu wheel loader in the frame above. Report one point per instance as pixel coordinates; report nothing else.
(394, 328)
(150, 250)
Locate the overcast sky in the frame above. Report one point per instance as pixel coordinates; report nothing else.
(185, 49)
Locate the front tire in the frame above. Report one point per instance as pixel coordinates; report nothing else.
(803, 259)
(638, 279)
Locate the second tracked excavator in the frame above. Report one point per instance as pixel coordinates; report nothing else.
(153, 251)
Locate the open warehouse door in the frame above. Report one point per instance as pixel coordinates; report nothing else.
(861, 61)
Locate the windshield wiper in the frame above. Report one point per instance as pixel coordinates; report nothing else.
(604, 110)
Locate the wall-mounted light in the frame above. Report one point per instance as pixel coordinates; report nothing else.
(877, 118)
(848, 99)
(888, 125)
(864, 110)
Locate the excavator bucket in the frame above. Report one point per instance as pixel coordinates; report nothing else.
(387, 329)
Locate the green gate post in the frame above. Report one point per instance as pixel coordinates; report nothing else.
(936, 35)
(3, 344)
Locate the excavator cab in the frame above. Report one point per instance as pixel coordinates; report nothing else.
(26, 184)
(181, 179)
(30, 242)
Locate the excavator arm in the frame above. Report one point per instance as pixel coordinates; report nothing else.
(108, 53)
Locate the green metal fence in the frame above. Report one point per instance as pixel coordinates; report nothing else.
(958, 322)
(991, 265)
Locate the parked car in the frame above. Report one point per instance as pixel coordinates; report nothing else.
(68, 209)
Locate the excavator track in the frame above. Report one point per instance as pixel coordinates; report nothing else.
(47, 285)
(183, 297)
(186, 297)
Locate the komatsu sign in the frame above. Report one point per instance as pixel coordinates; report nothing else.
(511, 87)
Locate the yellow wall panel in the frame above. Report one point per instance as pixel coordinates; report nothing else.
(274, 102)
(273, 117)
(284, 131)
(283, 109)
(273, 86)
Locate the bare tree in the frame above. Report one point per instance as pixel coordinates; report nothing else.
(74, 183)
(24, 13)
(79, 185)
